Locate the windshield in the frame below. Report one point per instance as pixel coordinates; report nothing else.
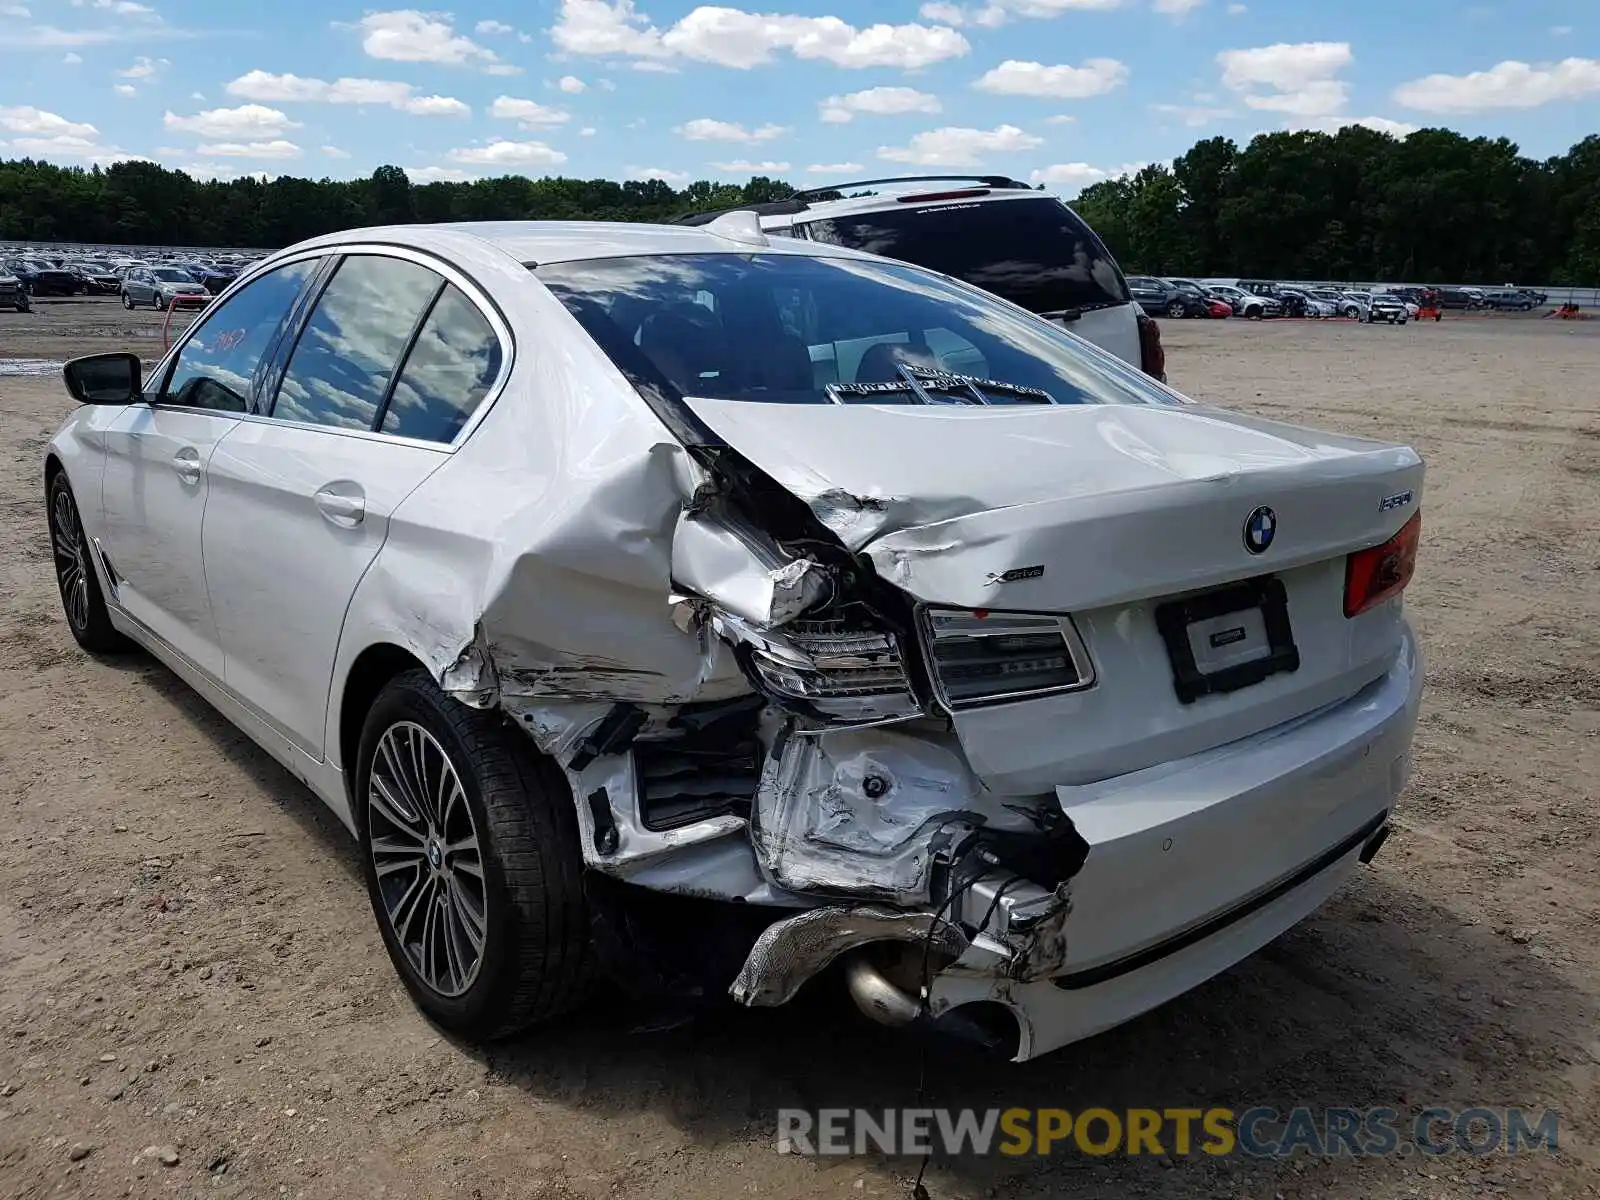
(795, 329)
(171, 275)
(90, 264)
(1035, 252)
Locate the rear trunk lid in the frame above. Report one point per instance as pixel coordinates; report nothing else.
(1107, 513)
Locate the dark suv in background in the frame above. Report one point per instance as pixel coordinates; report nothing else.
(1160, 298)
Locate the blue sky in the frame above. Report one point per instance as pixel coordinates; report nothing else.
(1057, 91)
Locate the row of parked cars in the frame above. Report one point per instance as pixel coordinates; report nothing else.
(1259, 299)
(138, 281)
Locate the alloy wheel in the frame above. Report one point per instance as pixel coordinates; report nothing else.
(427, 859)
(72, 566)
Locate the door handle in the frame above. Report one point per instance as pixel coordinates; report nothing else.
(186, 463)
(341, 508)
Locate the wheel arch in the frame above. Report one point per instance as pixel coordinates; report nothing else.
(374, 667)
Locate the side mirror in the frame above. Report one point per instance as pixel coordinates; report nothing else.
(105, 379)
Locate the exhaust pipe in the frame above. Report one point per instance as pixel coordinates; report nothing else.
(878, 998)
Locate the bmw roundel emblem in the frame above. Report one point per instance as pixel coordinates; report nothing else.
(1260, 527)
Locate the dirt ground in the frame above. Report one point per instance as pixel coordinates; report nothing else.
(188, 963)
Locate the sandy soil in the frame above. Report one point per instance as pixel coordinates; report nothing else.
(187, 960)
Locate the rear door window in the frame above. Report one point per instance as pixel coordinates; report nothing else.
(1035, 252)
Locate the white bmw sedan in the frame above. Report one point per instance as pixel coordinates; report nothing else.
(705, 609)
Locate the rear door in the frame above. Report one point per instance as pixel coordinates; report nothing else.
(1030, 249)
(390, 364)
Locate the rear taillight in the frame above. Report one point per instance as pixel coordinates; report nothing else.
(1152, 357)
(1373, 576)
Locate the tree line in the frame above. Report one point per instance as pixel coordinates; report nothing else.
(1356, 204)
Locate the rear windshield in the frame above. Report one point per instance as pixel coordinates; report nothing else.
(1034, 252)
(798, 329)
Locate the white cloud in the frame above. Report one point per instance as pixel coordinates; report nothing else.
(144, 68)
(1295, 78)
(587, 131)
(492, 28)
(704, 129)
(527, 113)
(572, 85)
(1073, 177)
(1177, 9)
(1017, 78)
(71, 59)
(1195, 116)
(958, 147)
(125, 89)
(878, 101)
(1283, 65)
(14, 10)
(1237, 10)
(660, 173)
(436, 106)
(998, 12)
(82, 149)
(438, 175)
(247, 123)
(262, 85)
(842, 168)
(509, 154)
(1508, 84)
(731, 37)
(276, 148)
(1334, 124)
(742, 166)
(334, 152)
(27, 119)
(406, 35)
(1061, 119)
(1560, 30)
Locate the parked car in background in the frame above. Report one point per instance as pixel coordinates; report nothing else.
(1299, 303)
(1247, 304)
(1383, 307)
(1161, 298)
(1508, 301)
(97, 276)
(1344, 304)
(703, 608)
(212, 277)
(12, 293)
(1217, 308)
(994, 233)
(1540, 299)
(39, 278)
(158, 286)
(1460, 298)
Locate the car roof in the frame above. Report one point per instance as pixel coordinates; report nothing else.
(569, 241)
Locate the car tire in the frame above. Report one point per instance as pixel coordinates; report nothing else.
(81, 599)
(127, 301)
(1254, 312)
(517, 889)
(1177, 309)
(161, 302)
(23, 306)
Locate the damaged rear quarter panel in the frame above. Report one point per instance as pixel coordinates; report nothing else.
(535, 566)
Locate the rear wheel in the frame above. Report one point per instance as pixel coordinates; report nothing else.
(472, 861)
(127, 301)
(81, 599)
(1253, 312)
(1177, 309)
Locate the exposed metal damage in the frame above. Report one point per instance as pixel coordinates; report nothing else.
(766, 709)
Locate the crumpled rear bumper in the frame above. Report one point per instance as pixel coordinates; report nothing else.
(1175, 837)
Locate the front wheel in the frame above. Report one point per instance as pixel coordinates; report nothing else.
(1253, 314)
(161, 302)
(81, 599)
(1177, 309)
(472, 860)
(127, 301)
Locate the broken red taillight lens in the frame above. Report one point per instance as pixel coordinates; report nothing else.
(1373, 576)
